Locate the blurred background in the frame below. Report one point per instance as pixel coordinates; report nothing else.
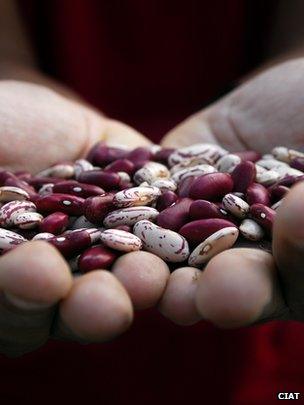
(151, 64)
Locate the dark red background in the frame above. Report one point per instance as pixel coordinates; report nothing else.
(150, 64)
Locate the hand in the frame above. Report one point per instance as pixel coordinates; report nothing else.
(246, 286)
(38, 296)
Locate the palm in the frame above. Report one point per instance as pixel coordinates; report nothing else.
(240, 286)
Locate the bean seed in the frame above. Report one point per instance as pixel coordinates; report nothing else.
(12, 209)
(63, 171)
(176, 216)
(227, 163)
(164, 185)
(263, 215)
(81, 165)
(43, 236)
(165, 200)
(55, 223)
(136, 196)
(105, 180)
(28, 220)
(257, 194)
(243, 176)
(66, 203)
(211, 186)
(208, 151)
(251, 230)
(151, 172)
(216, 243)
(203, 209)
(73, 187)
(195, 171)
(285, 154)
(96, 208)
(96, 257)
(9, 239)
(121, 240)
(235, 205)
(166, 244)
(12, 194)
(129, 216)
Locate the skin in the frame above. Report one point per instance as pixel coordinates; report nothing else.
(38, 297)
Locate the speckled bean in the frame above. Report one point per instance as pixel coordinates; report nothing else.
(129, 216)
(12, 194)
(10, 210)
(251, 230)
(28, 220)
(136, 196)
(235, 205)
(208, 151)
(120, 240)
(166, 244)
(9, 239)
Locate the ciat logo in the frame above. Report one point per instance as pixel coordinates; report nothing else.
(289, 395)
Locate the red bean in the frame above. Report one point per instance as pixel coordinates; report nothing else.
(16, 182)
(277, 192)
(176, 216)
(263, 215)
(102, 155)
(140, 156)
(38, 182)
(72, 243)
(121, 165)
(197, 231)
(243, 176)
(105, 180)
(184, 186)
(55, 223)
(166, 200)
(211, 186)
(96, 257)
(163, 155)
(250, 155)
(202, 209)
(96, 208)
(290, 180)
(69, 204)
(79, 189)
(257, 194)
(297, 163)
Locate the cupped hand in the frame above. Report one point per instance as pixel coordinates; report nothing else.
(38, 296)
(244, 286)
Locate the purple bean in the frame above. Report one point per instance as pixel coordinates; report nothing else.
(121, 165)
(211, 186)
(66, 203)
(163, 155)
(38, 182)
(257, 194)
(184, 186)
(140, 156)
(243, 176)
(166, 200)
(55, 223)
(96, 257)
(176, 216)
(72, 243)
(263, 215)
(16, 182)
(277, 192)
(297, 163)
(96, 208)
(197, 231)
(102, 155)
(79, 189)
(105, 180)
(203, 209)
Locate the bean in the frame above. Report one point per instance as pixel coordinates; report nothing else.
(66, 203)
(251, 230)
(10, 210)
(197, 231)
(227, 163)
(166, 244)
(297, 163)
(9, 239)
(72, 243)
(257, 194)
(43, 236)
(136, 196)
(277, 192)
(140, 156)
(96, 257)
(121, 165)
(120, 240)
(243, 176)
(211, 186)
(55, 223)
(73, 187)
(28, 220)
(63, 171)
(81, 165)
(162, 155)
(165, 200)
(129, 216)
(250, 155)
(176, 216)
(102, 155)
(195, 171)
(184, 186)
(105, 180)
(208, 151)
(96, 208)
(12, 194)
(235, 205)
(263, 215)
(203, 209)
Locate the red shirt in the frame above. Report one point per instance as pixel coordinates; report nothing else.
(150, 64)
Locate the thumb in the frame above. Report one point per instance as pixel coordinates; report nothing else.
(44, 127)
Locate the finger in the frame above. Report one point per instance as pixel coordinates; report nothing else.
(33, 278)
(96, 309)
(239, 287)
(288, 248)
(37, 117)
(178, 300)
(144, 276)
(194, 129)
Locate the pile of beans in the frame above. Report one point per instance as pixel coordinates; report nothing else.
(184, 205)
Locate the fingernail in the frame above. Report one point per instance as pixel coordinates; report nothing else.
(24, 304)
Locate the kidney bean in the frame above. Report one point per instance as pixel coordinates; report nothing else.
(203, 209)
(176, 216)
(263, 215)
(140, 156)
(55, 223)
(277, 192)
(96, 208)
(66, 203)
(79, 189)
(243, 176)
(289, 181)
(184, 187)
(297, 163)
(163, 155)
(102, 155)
(257, 194)
(15, 182)
(105, 180)
(72, 243)
(121, 165)
(38, 182)
(196, 231)
(211, 186)
(166, 200)
(96, 257)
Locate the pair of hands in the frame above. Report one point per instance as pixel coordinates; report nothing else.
(242, 286)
